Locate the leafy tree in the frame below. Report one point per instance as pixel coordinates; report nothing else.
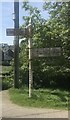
(59, 20)
(60, 17)
(51, 33)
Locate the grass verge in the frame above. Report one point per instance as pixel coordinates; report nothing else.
(41, 98)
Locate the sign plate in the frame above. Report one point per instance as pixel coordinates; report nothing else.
(46, 52)
(12, 32)
(17, 32)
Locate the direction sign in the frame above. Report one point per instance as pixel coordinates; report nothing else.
(12, 32)
(16, 32)
(46, 52)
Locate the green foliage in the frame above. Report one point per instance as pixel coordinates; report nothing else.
(48, 76)
(6, 69)
(7, 82)
(41, 98)
(7, 77)
(23, 66)
(47, 72)
(60, 17)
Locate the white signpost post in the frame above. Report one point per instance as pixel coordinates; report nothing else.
(30, 60)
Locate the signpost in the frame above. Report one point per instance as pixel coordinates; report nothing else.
(26, 32)
(46, 52)
(35, 52)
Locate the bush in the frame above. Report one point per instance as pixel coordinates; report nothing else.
(6, 63)
(49, 77)
(7, 82)
(52, 78)
(23, 76)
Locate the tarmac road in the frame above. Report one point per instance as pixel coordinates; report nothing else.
(10, 110)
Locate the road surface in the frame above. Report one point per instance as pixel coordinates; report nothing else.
(10, 110)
